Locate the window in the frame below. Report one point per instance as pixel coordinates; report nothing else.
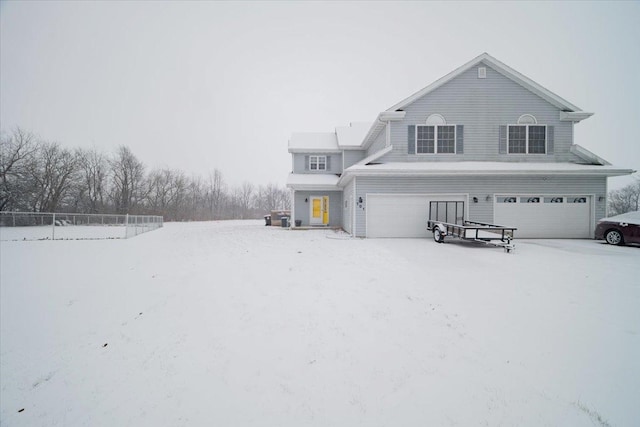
(527, 139)
(318, 163)
(435, 139)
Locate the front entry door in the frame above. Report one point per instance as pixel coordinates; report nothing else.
(319, 214)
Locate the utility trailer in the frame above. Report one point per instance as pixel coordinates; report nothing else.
(447, 219)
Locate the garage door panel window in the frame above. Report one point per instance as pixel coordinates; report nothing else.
(554, 199)
(529, 199)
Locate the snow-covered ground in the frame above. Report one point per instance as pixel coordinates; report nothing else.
(237, 324)
(71, 232)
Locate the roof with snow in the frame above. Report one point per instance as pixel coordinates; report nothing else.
(484, 168)
(316, 142)
(309, 181)
(352, 136)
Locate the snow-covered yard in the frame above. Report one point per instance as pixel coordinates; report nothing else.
(237, 324)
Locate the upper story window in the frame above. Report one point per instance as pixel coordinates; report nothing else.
(527, 137)
(436, 137)
(318, 163)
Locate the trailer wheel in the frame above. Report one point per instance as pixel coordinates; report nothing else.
(438, 236)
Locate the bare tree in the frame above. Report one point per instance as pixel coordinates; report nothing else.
(127, 174)
(245, 198)
(92, 181)
(16, 150)
(49, 176)
(272, 197)
(626, 199)
(215, 195)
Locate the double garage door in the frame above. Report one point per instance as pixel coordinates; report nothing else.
(550, 216)
(538, 216)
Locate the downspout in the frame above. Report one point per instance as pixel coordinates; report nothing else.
(388, 142)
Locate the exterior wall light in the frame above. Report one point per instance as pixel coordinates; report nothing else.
(475, 200)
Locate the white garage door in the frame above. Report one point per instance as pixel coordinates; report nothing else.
(394, 215)
(543, 216)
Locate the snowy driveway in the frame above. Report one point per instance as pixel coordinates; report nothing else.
(237, 324)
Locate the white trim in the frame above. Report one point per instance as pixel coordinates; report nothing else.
(574, 116)
(436, 119)
(418, 169)
(527, 140)
(522, 118)
(585, 154)
(435, 139)
(317, 163)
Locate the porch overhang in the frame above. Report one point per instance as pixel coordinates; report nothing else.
(313, 182)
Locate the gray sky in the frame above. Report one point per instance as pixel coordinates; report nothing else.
(203, 85)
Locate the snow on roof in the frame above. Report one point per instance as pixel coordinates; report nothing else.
(352, 136)
(485, 168)
(311, 181)
(629, 218)
(316, 142)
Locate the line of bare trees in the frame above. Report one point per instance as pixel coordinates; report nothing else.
(41, 176)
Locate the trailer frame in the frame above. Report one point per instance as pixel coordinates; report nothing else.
(446, 218)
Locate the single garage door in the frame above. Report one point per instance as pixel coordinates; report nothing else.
(545, 216)
(395, 215)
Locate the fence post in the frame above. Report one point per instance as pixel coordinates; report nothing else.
(126, 226)
(53, 227)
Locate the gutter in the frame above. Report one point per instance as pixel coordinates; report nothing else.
(381, 121)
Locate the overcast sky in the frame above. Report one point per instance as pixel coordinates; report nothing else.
(203, 85)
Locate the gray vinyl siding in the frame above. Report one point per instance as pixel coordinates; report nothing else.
(479, 187)
(379, 143)
(300, 163)
(481, 106)
(302, 209)
(348, 207)
(351, 157)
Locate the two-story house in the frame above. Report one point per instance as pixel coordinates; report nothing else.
(483, 134)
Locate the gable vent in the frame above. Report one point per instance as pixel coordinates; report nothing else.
(482, 72)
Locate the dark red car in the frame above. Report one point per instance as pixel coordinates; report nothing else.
(620, 229)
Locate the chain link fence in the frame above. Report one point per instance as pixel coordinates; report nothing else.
(74, 226)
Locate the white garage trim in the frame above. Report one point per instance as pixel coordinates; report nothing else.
(553, 216)
(402, 215)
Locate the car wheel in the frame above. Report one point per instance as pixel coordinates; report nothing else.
(614, 237)
(438, 237)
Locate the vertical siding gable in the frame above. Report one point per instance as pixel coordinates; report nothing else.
(481, 106)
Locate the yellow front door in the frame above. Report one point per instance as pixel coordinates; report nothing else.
(319, 210)
(316, 212)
